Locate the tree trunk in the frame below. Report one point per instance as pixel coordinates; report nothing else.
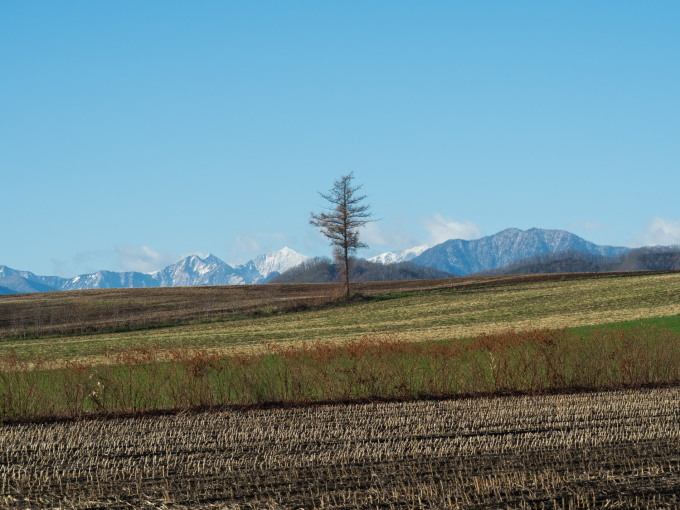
(341, 225)
(346, 256)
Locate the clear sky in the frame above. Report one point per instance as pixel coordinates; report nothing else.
(133, 133)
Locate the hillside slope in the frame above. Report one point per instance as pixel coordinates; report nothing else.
(462, 257)
(573, 261)
(251, 317)
(324, 271)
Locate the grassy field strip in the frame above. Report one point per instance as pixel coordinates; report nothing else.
(444, 315)
(115, 310)
(538, 361)
(220, 345)
(616, 449)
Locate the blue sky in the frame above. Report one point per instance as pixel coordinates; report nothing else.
(134, 133)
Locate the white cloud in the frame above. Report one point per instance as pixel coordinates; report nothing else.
(121, 258)
(377, 234)
(249, 243)
(314, 243)
(442, 229)
(84, 262)
(141, 258)
(660, 232)
(201, 254)
(587, 226)
(258, 243)
(60, 268)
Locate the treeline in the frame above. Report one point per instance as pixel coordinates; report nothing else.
(574, 261)
(323, 270)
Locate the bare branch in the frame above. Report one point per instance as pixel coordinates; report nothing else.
(340, 225)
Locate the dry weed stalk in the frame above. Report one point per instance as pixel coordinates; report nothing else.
(375, 367)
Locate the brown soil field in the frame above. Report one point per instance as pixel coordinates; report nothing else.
(105, 310)
(464, 309)
(609, 449)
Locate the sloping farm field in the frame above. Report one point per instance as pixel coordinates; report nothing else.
(65, 441)
(440, 314)
(617, 449)
(105, 310)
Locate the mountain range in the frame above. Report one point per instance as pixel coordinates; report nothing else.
(455, 256)
(395, 257)
(461, 257)
(657, 258)
(191, 270)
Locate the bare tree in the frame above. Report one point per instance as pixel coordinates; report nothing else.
(346, 214)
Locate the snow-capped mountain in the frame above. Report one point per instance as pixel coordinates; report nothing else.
(194, 270)
(393, 257)
(265, 267)
(454, 256)
(106, 280)
(464, 257)
(191, 270)
(18, 282)
(279, 261)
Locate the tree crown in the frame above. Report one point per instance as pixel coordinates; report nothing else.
(346, 214)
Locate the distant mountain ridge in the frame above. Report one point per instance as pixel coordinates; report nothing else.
(462, 257)
(657, 258)
(457, 257)
(191, 270)
(394, 257)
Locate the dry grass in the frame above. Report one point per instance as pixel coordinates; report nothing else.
(613, 449)
(102, 310)
(147, 378)
(447, 313)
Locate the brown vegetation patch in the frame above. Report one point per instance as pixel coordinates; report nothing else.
(148, 378)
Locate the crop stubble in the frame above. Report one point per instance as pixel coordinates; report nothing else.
(620, 449)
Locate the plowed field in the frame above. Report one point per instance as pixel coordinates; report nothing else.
(615, 449)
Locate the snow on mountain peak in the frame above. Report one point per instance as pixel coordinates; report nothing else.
(278, 261)
(392, 257)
